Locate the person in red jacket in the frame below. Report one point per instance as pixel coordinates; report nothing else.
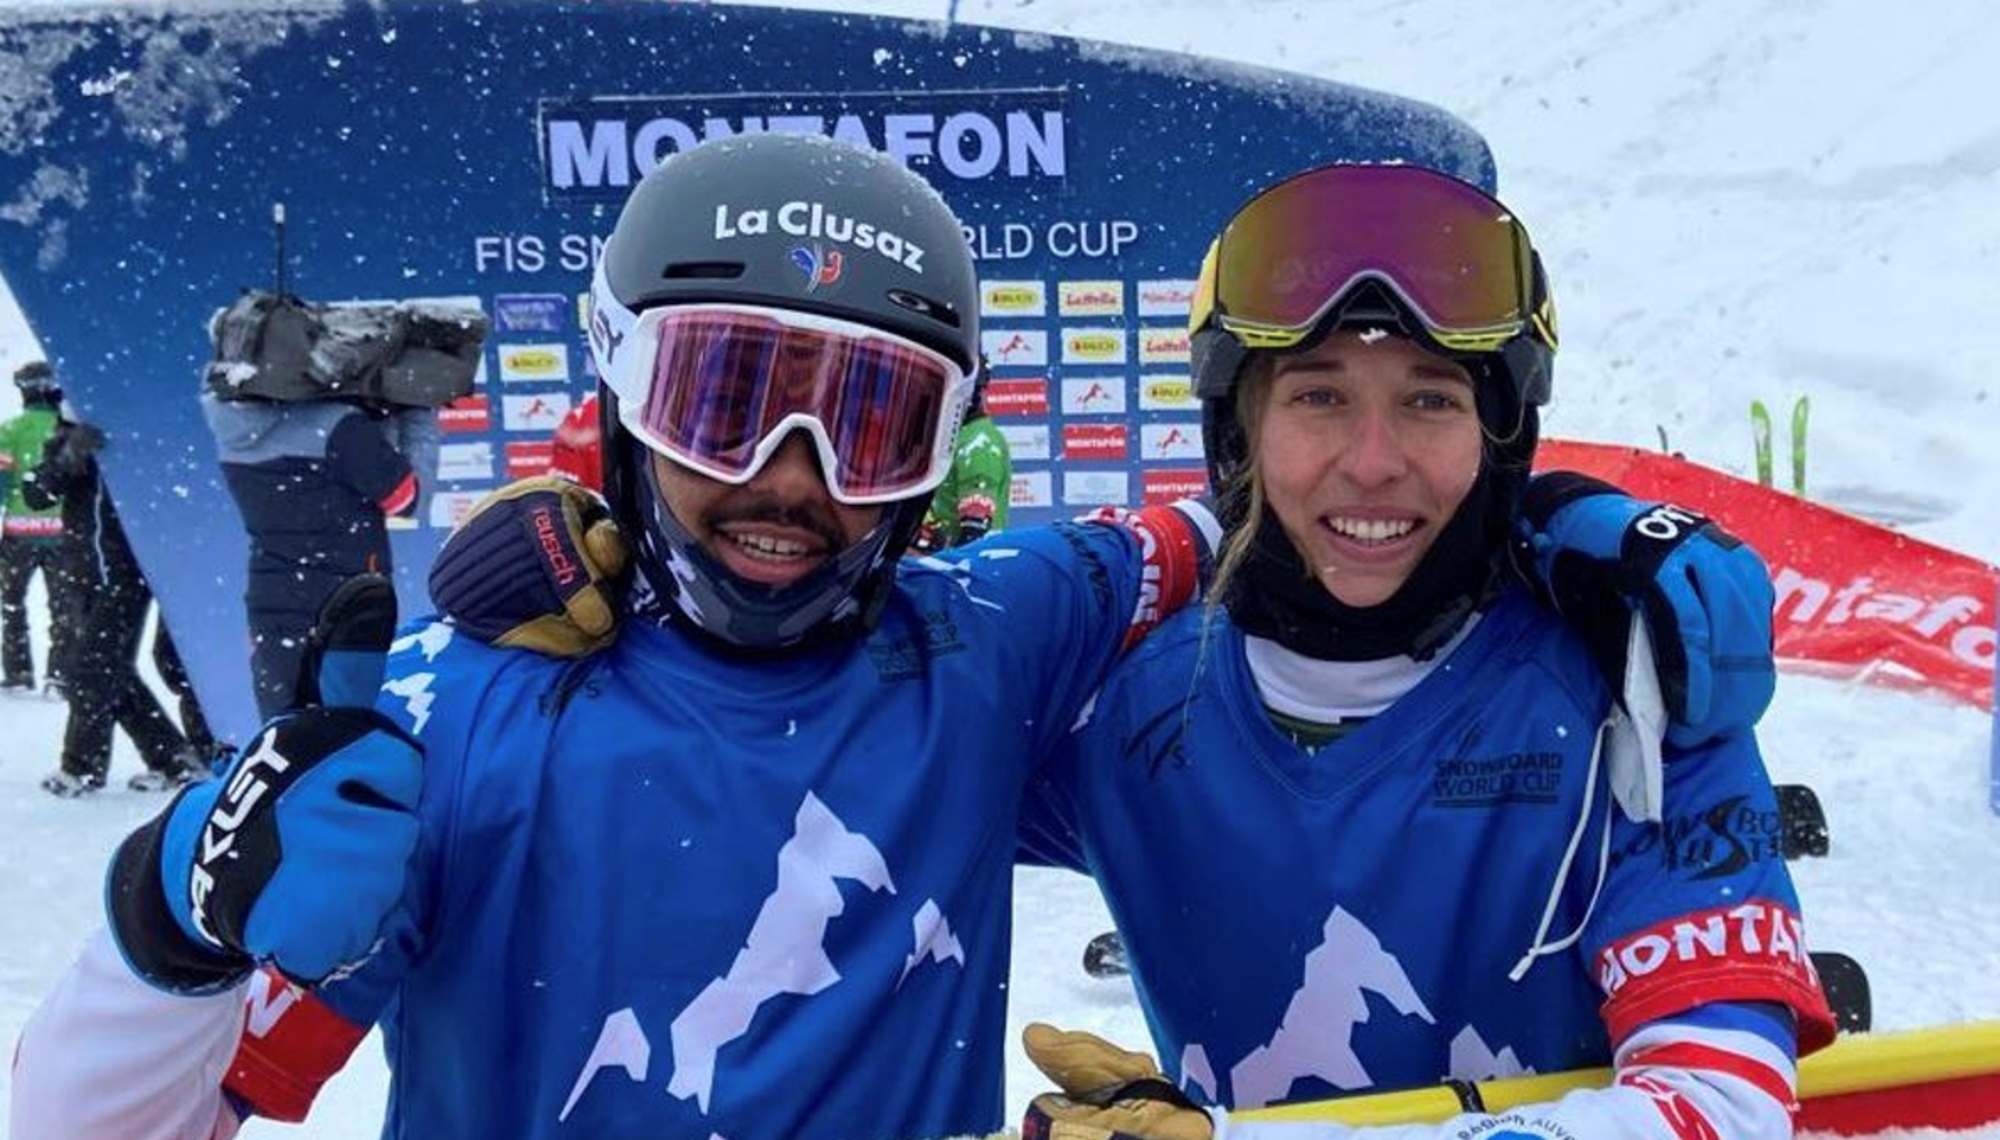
(577, 453)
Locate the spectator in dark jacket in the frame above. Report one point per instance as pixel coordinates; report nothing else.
(103, 683)
(578, 449)
(314, 481)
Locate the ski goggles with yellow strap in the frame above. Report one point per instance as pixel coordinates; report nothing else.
(1455, 256)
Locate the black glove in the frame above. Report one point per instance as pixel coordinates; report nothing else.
(1706, 598)
(536, 565)
(975, 518)
(298, 851)
(929, 539)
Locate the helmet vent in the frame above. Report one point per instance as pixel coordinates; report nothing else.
(938, 311)
(703, 270)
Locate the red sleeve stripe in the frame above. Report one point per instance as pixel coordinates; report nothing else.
(292, 1043)
(1172, 552)
(399, 501)
(1695, 1057)
(1751, 951)
(1682, 1114)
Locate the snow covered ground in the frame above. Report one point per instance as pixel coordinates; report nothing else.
(1735, 201)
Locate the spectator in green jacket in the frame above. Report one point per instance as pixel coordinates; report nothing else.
(971, 503)
(31, 539)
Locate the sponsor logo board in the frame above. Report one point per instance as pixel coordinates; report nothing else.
(1093, 345)
(531, 313)
(1170, 441)
(1096, 488)
(1094, 441)
(449, 508)
(465, 462)
(1017, 398)
(1093, 395)
(1090, 298)
(466, 414)
(1013, 299)
(1015, 348)
(540, 412)
(520, 362)
(1166, 484)
(527, 458)
(1030, 489)
(1167, 394)
(1161, 345)
(1027, 441)
(1166, 298)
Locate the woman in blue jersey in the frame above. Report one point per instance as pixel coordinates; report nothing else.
(1372, 818)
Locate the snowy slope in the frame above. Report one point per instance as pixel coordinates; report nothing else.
(1735, 201)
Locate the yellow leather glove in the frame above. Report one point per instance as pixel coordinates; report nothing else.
(535, 565)
(1107, 1093)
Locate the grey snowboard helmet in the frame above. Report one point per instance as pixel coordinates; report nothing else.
(788, 222)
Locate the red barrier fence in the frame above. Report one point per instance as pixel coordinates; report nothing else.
(1854, 599)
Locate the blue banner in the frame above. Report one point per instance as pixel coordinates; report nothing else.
(444, 149)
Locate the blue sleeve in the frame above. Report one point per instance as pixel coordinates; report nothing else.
(1699, 908)
(433, 687)
(1057, 604)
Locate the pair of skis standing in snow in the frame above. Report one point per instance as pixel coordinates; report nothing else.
(743, 870)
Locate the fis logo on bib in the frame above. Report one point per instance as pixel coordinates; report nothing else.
(820, 265)
(814, 220)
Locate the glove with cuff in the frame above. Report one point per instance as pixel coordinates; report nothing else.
(1604, 559)
(296, 853)
(535, 565)
(1107, 1093)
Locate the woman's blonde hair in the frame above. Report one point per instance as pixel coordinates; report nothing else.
(1241, 504)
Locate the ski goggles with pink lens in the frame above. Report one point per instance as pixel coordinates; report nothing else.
(725, 385)
(1453, 253)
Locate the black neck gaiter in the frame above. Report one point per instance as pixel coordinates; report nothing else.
(1275, 596)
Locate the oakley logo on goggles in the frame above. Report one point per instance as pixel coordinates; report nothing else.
(1453, 254)
(725, 385)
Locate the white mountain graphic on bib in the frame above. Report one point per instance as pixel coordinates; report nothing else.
(1315, 1038)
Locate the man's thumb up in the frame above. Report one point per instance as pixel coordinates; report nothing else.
(296, 854)
(344, 658)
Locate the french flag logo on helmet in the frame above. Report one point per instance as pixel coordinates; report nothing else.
(820, 266)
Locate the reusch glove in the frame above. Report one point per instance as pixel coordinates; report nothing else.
(299, 850)
(1107, 1093)
(1704, 595)
(535, 565)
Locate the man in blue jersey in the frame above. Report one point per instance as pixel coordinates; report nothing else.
(1392, 763)
(726, 874)
(683, 886)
